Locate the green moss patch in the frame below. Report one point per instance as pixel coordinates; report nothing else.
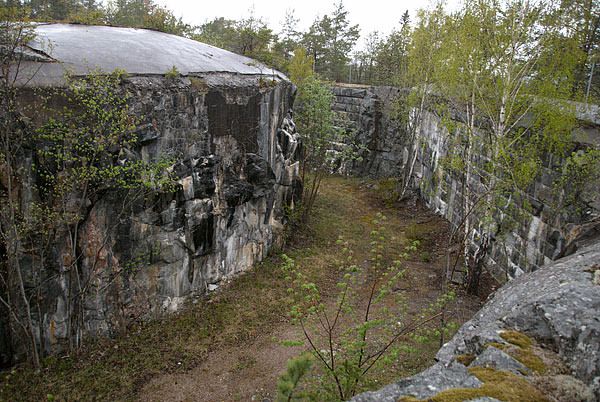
(521, 350)
(516, 338)
(527, 358)
(465, 359)
(498, 384)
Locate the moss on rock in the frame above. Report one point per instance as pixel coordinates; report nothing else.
(527, 358)
(497, 384)
(465, 359)
(516, 338)
(520, 349)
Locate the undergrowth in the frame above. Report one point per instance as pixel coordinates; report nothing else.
(117, 369)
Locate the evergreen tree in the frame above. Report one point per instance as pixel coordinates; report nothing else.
(314, 41)
(582, 25)
(329, 41)
(392, 55)
(342, 38)
(219, 32)
(253, 38)
(367, 68)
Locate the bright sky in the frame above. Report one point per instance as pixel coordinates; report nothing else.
(370, 15)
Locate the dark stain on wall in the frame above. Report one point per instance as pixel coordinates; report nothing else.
(234, 119)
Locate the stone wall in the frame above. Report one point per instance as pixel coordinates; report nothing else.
(235, 161)
(541, 233)
(370, 111)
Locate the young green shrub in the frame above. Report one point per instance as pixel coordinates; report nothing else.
(289, 381)
(173, 73)
(84, 152)
(360, 331)
(321, 134)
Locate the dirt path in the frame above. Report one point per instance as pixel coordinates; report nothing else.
(247, 370)
(223, 346)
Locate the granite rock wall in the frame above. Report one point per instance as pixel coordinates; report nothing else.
(233, 145)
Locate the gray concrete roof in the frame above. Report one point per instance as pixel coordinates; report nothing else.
(137, 51)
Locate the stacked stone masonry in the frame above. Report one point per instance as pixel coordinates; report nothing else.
(541, 235)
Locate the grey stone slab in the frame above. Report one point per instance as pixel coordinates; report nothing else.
(495, 358)
(426, 384)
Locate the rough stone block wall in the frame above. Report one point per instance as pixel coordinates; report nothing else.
(541, 233)
(370, 112)
(538, 234)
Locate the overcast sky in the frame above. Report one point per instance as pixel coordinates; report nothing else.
(370, 15)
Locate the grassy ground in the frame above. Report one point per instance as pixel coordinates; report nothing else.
(244, 311)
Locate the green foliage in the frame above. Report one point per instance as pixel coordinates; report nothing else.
(351, 338)
(576, 183)
(503, 99)
(81, 138)
(144, 14)
(319, 126)
(384, 61)
(219, 32)
(15, 300)
(129, 13)
(288, 40)
(172, 73)
(329, 41)
(316, 121)
(289, 381)
(82, 150)
(87, 11)
(253, 38)
(249, 36)
(300, 67)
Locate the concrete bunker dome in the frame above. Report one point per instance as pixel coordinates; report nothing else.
(137, 51)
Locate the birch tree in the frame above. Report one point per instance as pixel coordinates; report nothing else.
(420, 78)
(507, 74)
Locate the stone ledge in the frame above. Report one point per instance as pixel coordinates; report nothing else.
(557, 305)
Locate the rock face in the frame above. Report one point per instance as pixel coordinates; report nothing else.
(541, 234)
(370, 112)
(228, 128)
(557, 306)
